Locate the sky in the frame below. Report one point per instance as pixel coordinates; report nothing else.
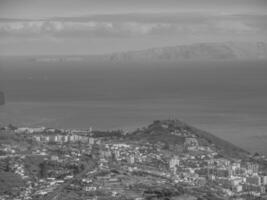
(68, 27)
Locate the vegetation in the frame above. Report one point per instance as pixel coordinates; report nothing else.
(10, 183)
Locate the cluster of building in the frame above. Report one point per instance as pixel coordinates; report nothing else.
(59, 138)
(119, 165)
(233, 177)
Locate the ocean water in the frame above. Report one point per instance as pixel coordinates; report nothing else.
(228, 99)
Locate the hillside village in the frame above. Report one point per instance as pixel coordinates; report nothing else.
(165, 160)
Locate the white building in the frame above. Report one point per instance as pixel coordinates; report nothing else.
(174, 162)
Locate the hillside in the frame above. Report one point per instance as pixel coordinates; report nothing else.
(160, 131)
(168, 159)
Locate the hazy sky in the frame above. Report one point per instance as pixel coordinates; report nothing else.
(103, 26)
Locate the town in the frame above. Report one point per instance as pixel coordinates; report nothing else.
(166, 160)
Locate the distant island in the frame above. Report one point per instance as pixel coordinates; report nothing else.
(198, 51)
(168, 159)
(187, 52)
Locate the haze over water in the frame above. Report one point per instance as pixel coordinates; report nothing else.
(226, 98)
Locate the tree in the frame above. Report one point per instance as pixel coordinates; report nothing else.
(43, 169)
(7, 165)
(256, 154)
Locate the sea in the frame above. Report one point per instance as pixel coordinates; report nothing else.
(225, 98)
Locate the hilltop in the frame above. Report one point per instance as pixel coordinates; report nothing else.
(174, 132)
